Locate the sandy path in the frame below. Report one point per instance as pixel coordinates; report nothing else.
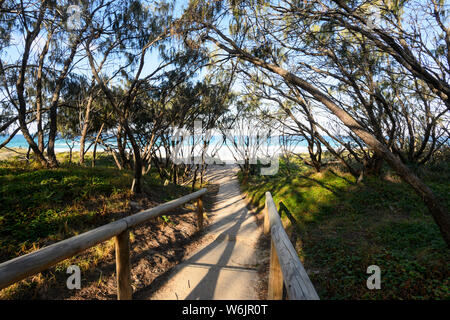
(225, 267)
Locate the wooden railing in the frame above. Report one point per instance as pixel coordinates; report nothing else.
(21, 267)
(286, 270)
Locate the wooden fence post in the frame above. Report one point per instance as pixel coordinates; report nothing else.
(275, 290)
(200, 213)
(24, 266)
(266, 219)
(123, 269)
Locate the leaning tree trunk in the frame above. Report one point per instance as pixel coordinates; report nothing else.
(434, 205)
(94, 153)
(84, 131)
(437, 210)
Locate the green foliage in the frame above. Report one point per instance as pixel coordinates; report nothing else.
(37, 206)
(345, 227)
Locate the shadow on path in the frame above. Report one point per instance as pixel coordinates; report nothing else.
(225, 267)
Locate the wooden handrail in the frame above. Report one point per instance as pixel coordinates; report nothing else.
(285, 266)
(21, 267)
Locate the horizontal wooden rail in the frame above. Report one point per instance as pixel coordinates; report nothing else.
(285, 266)
(21, 267)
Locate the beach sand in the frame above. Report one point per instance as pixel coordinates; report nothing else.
(9, 153)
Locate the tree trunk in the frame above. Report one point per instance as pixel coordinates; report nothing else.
(194, 179)
(121, 147)
(28, 154)
(435, 206)
(374, 165)
(315, 161)
(40, 131)
(53, 162)
(94, 153)
(31, 36)
(84, 131)
(175, 174)
(54, 103)
(437, 210)
(137, 172)
(137, 187)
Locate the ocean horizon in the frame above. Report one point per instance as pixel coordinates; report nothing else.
(224, 153)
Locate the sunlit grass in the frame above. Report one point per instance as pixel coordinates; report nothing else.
(42, 206)
(345, 227)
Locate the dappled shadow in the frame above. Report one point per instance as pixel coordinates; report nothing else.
(153, 251)
(208, 284)
(158, 282)
(335, 191)
(225, 230)
(156, 246)
(341, 177)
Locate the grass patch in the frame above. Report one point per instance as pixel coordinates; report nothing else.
(43, 206)
(344, 228)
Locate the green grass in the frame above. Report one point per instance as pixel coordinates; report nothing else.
(344, 228)
(41, 206)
